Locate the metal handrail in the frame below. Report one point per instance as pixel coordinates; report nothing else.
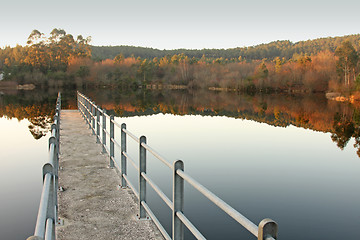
(157, 155)
(131, 135)
(131, 186)
(190, 226)
(158, 190)
(266, 230)
(156, 221)
(47, 216)
(250, 226)
(131, 161)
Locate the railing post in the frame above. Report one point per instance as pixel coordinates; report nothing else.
(142, 181)
(103, 131)
(178, 201)
(97, 109)
(123, 158)
(54, 160)
(267, 228)
(52, 205)
(88, 119)
(57, 135)
(93, 117)
(112, 139)
(77, 99)
(89, 111)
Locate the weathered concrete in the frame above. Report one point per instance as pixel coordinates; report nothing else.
(91, 205)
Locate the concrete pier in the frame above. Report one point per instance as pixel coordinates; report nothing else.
(92, 205)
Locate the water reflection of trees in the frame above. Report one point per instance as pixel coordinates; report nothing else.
(346, 128)
(39, 116)
(36, 107)
(311, 111)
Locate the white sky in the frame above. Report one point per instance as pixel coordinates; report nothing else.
(167, 24)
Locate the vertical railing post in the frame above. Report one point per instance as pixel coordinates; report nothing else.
(142, 181)
(84, 106)
(50, 212)
(97, 109)
(85, 109)
(77, 99)
(267, 228)
(57, 135)
(123, 158)
(112, 139)
(93, 118)
(88, 119)
(178, 201)
(104, 131)
(89, 111)
(54, 160)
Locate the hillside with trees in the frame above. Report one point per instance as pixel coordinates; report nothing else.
(320, 65)
(281, 49)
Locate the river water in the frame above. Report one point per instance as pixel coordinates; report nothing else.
(289, 158)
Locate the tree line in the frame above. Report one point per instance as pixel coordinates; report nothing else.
(283, 49)
(320, 65)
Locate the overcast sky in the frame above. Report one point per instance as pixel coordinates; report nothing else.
(166, 24)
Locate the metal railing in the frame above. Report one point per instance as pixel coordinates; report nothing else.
(266, 230)
(47, 216)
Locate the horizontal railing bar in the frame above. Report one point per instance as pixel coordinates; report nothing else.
(246, 223)
(83, 105)
(52, 154)
(91, 103)
(117, 167)
(49, 229)
(190, 226)
(117, 124)
(131, 161)
(116, 143)
(131, 186)
(158, 190)
(156, 154)
(107, 150)
(107, 133)
(131, 135)
(92, 115)
(44, 201)
(156, 221)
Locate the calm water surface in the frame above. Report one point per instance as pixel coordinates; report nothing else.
(295, 176)
(292, 161)
(21, 160)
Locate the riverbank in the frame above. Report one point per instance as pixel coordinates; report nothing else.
(335, 96)
(12, 85)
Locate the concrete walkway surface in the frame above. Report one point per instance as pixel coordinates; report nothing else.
(92, 205)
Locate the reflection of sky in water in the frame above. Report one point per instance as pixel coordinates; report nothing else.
(298, 177)
(21, 160)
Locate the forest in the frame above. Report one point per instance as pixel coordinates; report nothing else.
(322, 65)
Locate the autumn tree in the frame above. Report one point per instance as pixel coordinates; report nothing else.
(54, 53)
(119, 58)
(347, 62)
